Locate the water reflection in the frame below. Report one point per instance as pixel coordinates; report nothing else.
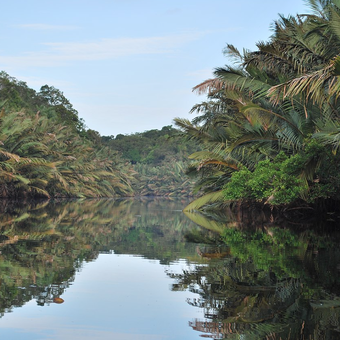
(232, 276)
(278, 281)
(44, 244)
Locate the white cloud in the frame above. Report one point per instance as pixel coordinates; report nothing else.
(103, 49)
(45, 27)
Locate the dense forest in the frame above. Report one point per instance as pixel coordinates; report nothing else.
(160, 160)
(46, 150)
(267, 132)
(270, 125)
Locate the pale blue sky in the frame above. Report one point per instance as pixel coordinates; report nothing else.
(129, 65)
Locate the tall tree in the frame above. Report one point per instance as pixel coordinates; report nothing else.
(276, 99)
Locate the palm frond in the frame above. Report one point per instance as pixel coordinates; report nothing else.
(198, 203)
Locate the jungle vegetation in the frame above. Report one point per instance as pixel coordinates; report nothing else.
(159, 158)
(270, 125)
(46, 150)
(268, 131)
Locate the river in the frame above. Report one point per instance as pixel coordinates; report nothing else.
(141, 269)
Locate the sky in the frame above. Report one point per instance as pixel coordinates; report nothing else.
(129, 66)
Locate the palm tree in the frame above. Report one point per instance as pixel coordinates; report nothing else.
(274, 100)
(44, 159)
(318, 79)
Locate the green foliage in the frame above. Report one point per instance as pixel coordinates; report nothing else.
(151, 147)
(274, 181)
(17, 96)
(268, 280)
(281, 99)
(238, 187)
(48, 154)
(165, 180)
(65, 112)
(44, 243)
(159, 158)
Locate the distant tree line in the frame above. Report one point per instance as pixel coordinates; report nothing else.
(160, 159)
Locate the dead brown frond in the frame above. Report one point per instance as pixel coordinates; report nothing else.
(209, 86)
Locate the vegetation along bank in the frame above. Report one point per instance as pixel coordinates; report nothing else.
(269, 127)
(47, 151)
(268, 131)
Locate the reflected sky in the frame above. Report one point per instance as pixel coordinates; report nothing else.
(114, 297)
(140, 269)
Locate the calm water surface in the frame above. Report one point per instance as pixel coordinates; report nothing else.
(142, 269)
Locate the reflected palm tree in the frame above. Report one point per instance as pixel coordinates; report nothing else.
(43, 244)
(251, 277)
(276, 282)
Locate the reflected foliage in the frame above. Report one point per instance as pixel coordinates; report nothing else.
(254, 279)
(275, 282)
(44, 244)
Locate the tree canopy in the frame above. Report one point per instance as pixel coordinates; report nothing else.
(45, 150)
(269, 127)
(160, 159)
